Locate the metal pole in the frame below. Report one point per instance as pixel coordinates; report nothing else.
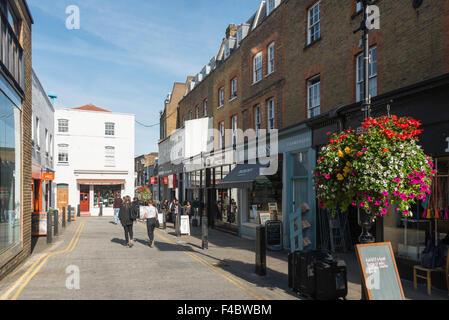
(101, 209)
(164, 226)
(204, 233)
(178, 224)
(63, 217)
(49, 227)
(69, 213)
(261, 251)
(366, 60)
(56, 222)
(79, 213)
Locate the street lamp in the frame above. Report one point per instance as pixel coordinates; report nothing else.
(365, 219)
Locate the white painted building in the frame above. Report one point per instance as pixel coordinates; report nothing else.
(94, 151)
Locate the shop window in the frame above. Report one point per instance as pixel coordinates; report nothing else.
(300, 164)
(106, 195)
(10, 174)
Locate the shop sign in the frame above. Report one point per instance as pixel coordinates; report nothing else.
(185, 225)
(172, 182)
(154, 180)
(48, 176)
(166, 180)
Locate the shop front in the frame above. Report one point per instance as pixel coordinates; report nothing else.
(94, 193)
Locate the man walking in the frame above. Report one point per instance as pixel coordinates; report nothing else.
(117, 204)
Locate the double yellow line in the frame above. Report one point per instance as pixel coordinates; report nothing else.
(238, 283)
(23, 281)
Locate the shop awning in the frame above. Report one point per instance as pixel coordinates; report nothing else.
(101, 182)
(242, 176)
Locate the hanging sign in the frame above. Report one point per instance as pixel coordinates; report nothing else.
(380, 275)
(48, 176)
(154, 180)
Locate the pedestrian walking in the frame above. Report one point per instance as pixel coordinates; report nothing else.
(136, 207)
(151, 216)
(117, 204)
(127, 218)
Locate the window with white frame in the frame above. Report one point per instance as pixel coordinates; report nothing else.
(205, 108)
(197, 112)
(257, 66)
(51, 146)
(372, 73)
(221, 97)
(63, 153)
(313, 23)
(109, 128)
(358, 6)
(270, 114)
(271, 58)
(47, 145)
(63, 125)
(110, 156)
(221, 138)
(190, 115)
(38, 140)
(234, 130)
(257, 120)
(234, 88)
(313, 97)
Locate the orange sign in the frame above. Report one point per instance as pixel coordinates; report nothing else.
(48, 176)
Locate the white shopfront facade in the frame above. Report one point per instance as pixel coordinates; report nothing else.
(94, 153)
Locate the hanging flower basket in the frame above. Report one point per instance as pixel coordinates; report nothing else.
(375, 169)
(144, 194)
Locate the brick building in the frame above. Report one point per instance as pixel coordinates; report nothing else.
(15, 137)
(299, 70)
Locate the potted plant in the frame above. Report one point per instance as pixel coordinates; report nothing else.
(373, 170)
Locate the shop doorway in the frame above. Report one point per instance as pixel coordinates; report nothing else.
(62, 194)
(84, 199)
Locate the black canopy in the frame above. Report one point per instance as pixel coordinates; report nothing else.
(241, 177)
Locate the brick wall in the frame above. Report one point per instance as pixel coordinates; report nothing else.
(25, 41)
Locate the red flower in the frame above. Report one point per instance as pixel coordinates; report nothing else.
(385, 150)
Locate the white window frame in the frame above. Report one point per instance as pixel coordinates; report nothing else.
(51, 147)
(271, 57)
(257, 67)
(234, 84)
(221, 97)
(313, 96)
(314, 23)
(358, 6)
(257, 119)
(234, 129)
(205, 108)
(221, 137)
(109, 129)
(63, 125)
(38, 140)
(271, 122)
(109, 156)
(197, 112)
(63, 149)
(360, 81)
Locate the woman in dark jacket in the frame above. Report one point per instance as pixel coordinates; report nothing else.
(126, 216)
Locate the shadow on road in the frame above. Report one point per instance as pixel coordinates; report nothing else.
(119, 241)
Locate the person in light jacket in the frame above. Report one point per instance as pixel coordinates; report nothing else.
(127, 218)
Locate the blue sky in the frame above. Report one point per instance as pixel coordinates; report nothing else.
(127, 54)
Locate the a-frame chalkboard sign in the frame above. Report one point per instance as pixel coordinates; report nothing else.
(380, 277)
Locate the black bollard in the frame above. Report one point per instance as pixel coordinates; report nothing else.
(56, 223)
(69, 213)
(63, 217)
(49, 227)
(101, 209)
(79, 212)
(261, 251)
(204, 234)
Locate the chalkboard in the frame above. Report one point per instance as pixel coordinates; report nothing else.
(380, 275)
(274, 235)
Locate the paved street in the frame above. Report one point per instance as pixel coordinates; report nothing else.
(175, 269)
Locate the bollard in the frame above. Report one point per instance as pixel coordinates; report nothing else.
(63, 217)
(261, 251)
(204, 234)
(79, 212)
(69, 213)
(49, 227)
(56, 222)
(178, 225)
(101, 209)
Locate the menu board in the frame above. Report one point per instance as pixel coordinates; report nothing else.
(185, 225)
(274, 235)
(380, 275)
(264, 217)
